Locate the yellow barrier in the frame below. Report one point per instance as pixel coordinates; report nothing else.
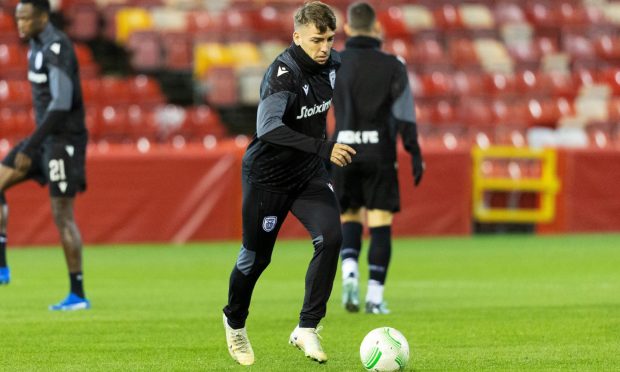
(546, 185)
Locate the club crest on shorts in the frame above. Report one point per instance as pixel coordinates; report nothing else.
(269, 223)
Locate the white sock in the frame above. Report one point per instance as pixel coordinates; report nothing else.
(349, 268)
(375, 292)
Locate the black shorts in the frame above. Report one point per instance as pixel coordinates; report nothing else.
(59, 163)
(366, 184)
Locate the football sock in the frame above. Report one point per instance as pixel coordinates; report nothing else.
(375, 292)
(2, 250)
(77, 284)
(351, 246)
(351, 240)
(379, 253)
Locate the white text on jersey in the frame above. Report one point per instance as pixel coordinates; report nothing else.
(352, 137)
(316, 109)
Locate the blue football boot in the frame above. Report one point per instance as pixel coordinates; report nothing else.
(72, 302)
(5, 275)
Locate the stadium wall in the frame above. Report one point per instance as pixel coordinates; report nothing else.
(194, 194)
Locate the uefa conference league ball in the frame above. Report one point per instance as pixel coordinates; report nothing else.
(384, 349)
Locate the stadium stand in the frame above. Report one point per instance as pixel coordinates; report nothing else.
(477, 67)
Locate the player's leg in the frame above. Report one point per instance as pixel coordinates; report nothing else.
(9, 177)
(71, 240)
(382, 199)
(352, 225)
(262, 214)
(349, 192)
(63, 164)
(317, 209)
(379, 254)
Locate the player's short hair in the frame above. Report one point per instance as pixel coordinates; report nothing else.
(40, 5)
(361, 16)
(317, 14)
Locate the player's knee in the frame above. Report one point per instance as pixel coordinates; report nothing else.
(352, 215)
(379, 217)
(331, 238)
(248, 262)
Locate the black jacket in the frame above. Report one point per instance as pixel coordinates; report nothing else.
(373, 102)
(291, 144)
(57, 96)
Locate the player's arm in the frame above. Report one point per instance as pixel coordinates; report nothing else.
(403, 112)
(61, 91)
(270, 127)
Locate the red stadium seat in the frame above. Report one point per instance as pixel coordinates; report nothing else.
(178, 50)
(608, 47)
(15, 94)
(400, 47)
(238, 24)
(146, 51)
(499, 84)
(561, 84)
(463, 53)
(113, 122)
(579, 46)
(428, 51)
(141, 123)
(468, 84)
(394, 25)
(82, 20)
(202, 121)
(509, 12)
(600, 135)
(475, 112)
(436, 84)
(145, 91)
(13, 61)
(203, 22)
(114, 91)
(8, 29)
(88, 67)
(447, 17)
(17, 123)
(91, 91)
(92, 117)
(222, 87)
(541, 14)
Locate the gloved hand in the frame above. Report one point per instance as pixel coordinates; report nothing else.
(418, 165)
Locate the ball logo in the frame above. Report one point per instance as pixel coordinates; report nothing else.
(269, 223)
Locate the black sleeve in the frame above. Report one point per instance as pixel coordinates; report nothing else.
(403, 109)
(61, 90)
(277, 94)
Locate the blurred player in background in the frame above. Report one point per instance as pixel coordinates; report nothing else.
(55, 152)
(372, 102)
(283, 170)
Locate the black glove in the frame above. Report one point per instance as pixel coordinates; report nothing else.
(418, 165)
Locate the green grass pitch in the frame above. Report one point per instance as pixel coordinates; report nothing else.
(482, 303)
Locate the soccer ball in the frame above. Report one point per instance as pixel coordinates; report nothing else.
(384, 349)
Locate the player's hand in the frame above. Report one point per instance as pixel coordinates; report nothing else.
(342, 154)
(418, 167)
(22, 162)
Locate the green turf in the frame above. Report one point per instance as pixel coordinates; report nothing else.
(485, 303)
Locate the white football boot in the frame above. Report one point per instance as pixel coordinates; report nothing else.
(239, 345)
(350, 296)
(308, 341)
